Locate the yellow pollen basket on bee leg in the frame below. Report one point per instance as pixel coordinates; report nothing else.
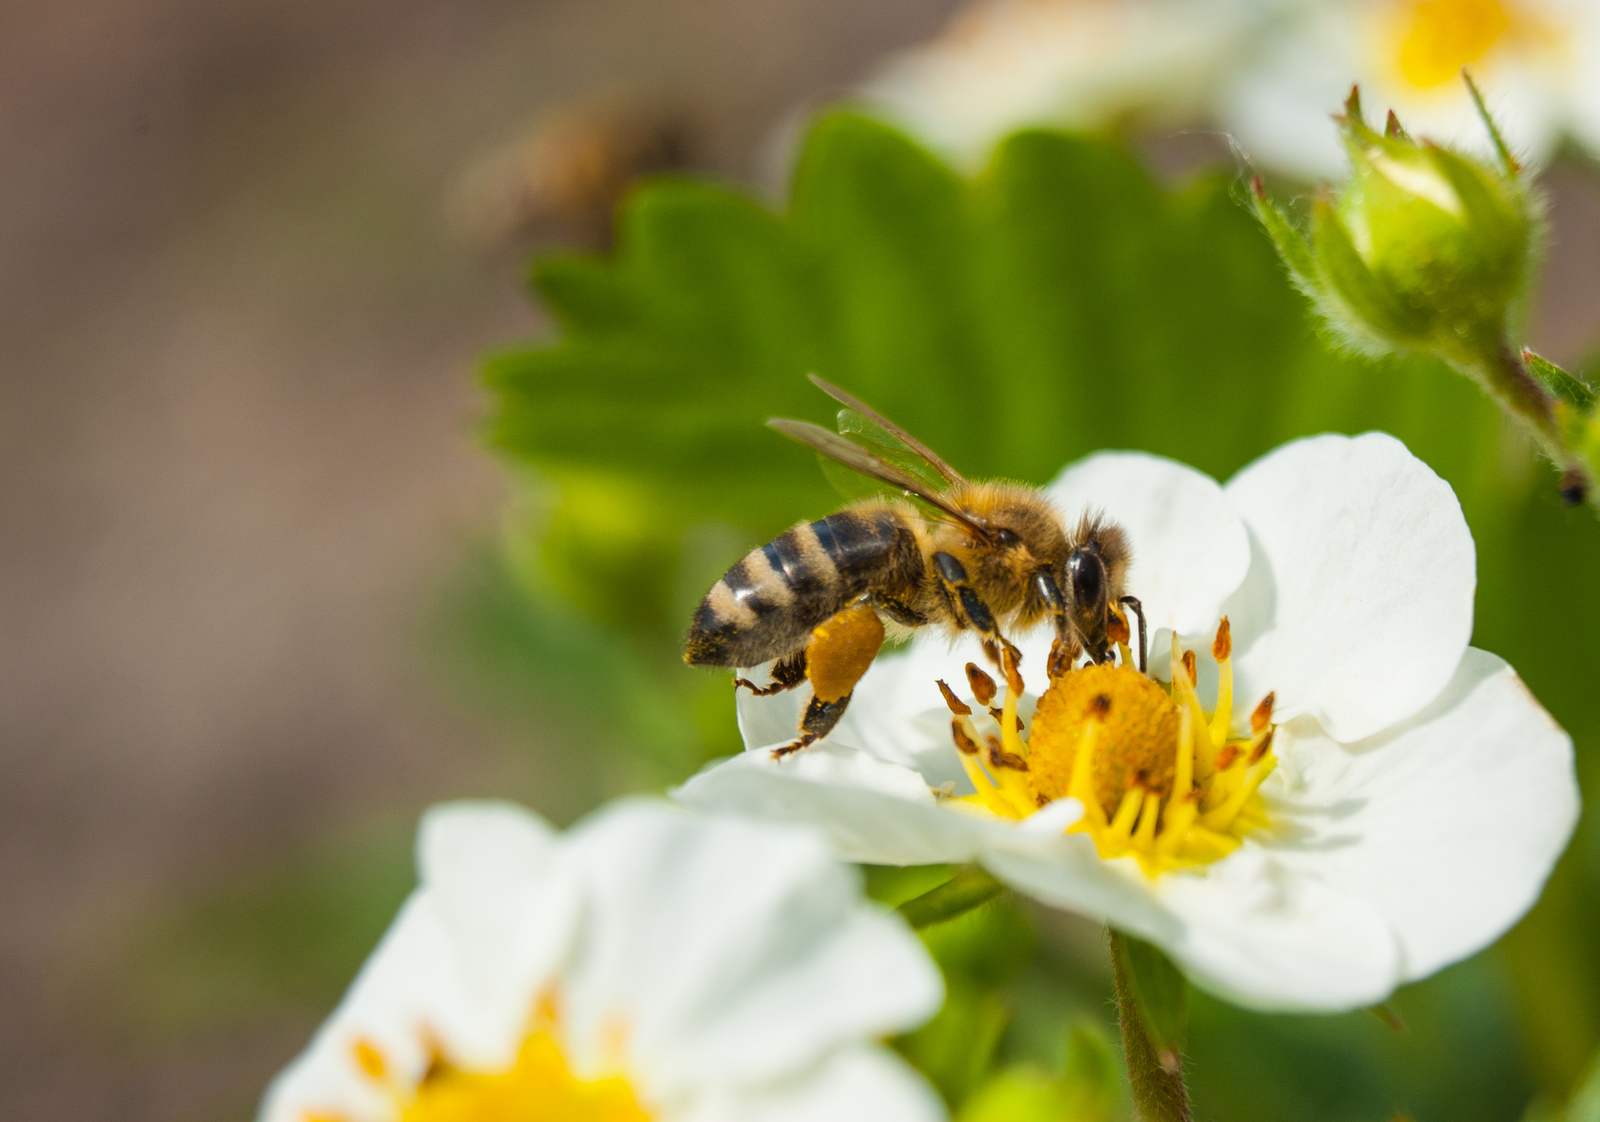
(538, 1087)
(1160, 779)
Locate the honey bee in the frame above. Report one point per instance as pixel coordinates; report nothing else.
(984, 556)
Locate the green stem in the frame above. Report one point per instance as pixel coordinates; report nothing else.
(1158, 1093)
(971, 887)
(1514, 388)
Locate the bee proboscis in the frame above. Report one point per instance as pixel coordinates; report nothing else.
(987, 557)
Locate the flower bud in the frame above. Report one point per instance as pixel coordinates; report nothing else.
(1422, 249)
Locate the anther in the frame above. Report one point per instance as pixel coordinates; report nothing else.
(1010, 658)
(1222, 645)
(370, 1059)
(957, 706)
(1063, 657)
(983, 687)
(1262, 717)
(999, 757)
(1117, 627)
(1226, 757)
(964, 743)
(1188, 667)
(1000, 718)
(1263, 747)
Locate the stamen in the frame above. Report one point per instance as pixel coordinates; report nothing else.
(1010, 726)
(1145, 836)
(1222, 651)
(1117, 626)
(1222, 817)
(1183, 775)
(1011, 774)
(983, 687)
(1262, 717)
(1121, 828)
(957, 706)
(1189, 702)
(1082, 784)
(1181, 813)
(369, 1058)
(1189, 668)
(1063, 657)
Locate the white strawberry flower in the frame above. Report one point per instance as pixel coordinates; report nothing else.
(1002, 65)
(647, 965)
(1537, 61)
(1334, 794)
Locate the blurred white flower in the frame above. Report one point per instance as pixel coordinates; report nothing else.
(645, 966)
(1002, 65)
(1347, 798)
(1537, 61)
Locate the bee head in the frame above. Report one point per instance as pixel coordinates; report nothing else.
(1092, 579)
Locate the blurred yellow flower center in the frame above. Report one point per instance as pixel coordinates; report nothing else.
(1160, 779)
(1439, 37)
(538, 1087)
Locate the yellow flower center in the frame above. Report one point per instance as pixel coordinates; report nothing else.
(538, 1087)
(1160, 779)
(1442, 36)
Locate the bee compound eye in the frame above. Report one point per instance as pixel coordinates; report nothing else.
(1088, 575)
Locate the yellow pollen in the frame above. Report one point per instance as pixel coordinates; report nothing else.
(1442, 36)
(1138, 732)
(539, 1087)
(1160, 779)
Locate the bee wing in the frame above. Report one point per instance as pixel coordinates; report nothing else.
(853, 456)
(859, 417)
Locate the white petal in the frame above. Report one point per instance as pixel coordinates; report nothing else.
(508, 901)
(863, 1084)
(1246, 928)
(460, 967)
(871, 811)
(1358, 603)
(1447, 825)
(730, 953)
(1190, 550)
(412, 980)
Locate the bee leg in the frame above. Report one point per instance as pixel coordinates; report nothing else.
(953, 576)
(787, 673)
(836, 656)
(1065, 650)
(1138, 610)
(817, 722)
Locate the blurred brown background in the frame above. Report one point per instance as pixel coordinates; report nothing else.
(236, 453)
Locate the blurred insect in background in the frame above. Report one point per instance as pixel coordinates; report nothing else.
(982, 557)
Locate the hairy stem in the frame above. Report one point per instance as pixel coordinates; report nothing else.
(971, 887)
(1158, 1093)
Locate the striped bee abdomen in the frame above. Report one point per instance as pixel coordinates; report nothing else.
(767, 604)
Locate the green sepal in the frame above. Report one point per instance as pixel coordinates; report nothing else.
(1291, 243)
(1369, 313)
(1508, 163)
(1161, 994)
(970, 888)
(1567, 387)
